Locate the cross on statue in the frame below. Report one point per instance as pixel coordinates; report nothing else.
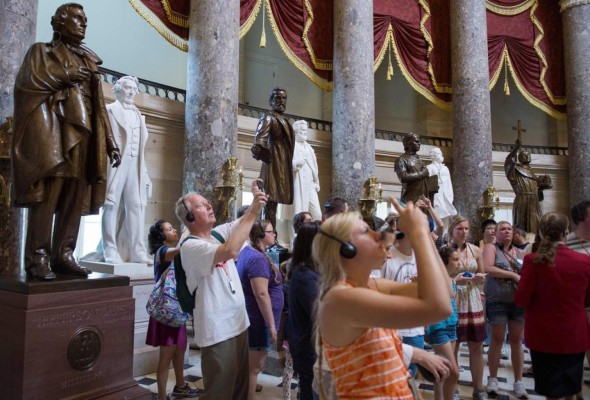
(518, 129)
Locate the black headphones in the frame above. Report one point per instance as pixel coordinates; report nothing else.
(190, 217)
(347, 249)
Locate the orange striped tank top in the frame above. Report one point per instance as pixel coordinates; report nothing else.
(371, 367)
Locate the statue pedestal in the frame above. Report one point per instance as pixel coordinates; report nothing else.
(68, 338)
(141, 277)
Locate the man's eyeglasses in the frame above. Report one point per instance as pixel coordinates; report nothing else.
(273, 232)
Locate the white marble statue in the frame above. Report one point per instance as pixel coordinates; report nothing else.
(305, 173)
(128, 186)
(443, 200)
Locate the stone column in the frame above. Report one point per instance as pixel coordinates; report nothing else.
(353, 136)
(472, 133)
(576, 41)
(18, 25)
(211, 93)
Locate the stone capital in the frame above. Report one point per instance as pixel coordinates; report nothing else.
(565, 4)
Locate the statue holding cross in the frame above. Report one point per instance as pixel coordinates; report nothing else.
(518, 129)
(527, 186)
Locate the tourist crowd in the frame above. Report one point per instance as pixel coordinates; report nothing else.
(358, 301)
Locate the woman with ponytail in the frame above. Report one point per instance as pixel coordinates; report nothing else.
(555, 288)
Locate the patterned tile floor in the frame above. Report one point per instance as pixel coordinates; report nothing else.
(272, 386)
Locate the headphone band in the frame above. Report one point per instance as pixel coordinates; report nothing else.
(347, 249)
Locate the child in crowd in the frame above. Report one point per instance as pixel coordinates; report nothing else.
(163, 244)
(442, 336)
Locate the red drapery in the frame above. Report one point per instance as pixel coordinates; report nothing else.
(170, 17)
(524, 36)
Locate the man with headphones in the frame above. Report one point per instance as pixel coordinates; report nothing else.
(220, 317)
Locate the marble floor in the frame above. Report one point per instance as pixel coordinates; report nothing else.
(272, 386)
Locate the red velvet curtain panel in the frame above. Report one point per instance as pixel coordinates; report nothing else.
(401, 24)
(171, 17)
(303, 29)
(524, 36)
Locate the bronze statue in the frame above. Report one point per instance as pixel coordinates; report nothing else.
(273, 145)
(527, 186)
(61, 141)
(412, 172)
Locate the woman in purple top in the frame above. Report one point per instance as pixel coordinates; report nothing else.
(172, 341)
(262, 285)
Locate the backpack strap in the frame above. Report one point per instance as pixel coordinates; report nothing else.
(218, 236)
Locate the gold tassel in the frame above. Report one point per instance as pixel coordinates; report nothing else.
(506, 86)
(263, 36)
(389, 66)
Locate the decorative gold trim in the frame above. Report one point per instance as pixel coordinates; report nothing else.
(251, 19)
(531, 99)
(496, 73)
(384, 48)
(173, 17)
(319, 81)
(509, 10)
(440, 88)
(326, 65)
(159, 26)
(557, 100)
(417, 86)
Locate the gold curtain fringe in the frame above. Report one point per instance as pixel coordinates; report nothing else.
(530, 98)
(159, 26)
(506, 86)
(557, 100)
(300, 65)
(263, 36)
(324, 65)
(438, 87)
(509, 10)
(417, 86)
(389, 66)
(174, 17)
(245, 27)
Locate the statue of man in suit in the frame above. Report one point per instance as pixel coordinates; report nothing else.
(274, 144)
(129, 185)
(62, 138)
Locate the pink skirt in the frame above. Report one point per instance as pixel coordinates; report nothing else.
(159, 334)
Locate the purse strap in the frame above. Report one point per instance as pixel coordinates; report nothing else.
(163, 276)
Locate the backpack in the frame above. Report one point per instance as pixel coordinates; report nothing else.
(185, 297)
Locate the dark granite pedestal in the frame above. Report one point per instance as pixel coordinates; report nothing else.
(67, 339)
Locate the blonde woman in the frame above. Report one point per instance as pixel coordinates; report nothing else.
(358, 315)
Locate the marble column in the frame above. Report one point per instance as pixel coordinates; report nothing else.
(575, 15)
(211, 93)
(18, 25)
(472, 133)
(353, 136)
